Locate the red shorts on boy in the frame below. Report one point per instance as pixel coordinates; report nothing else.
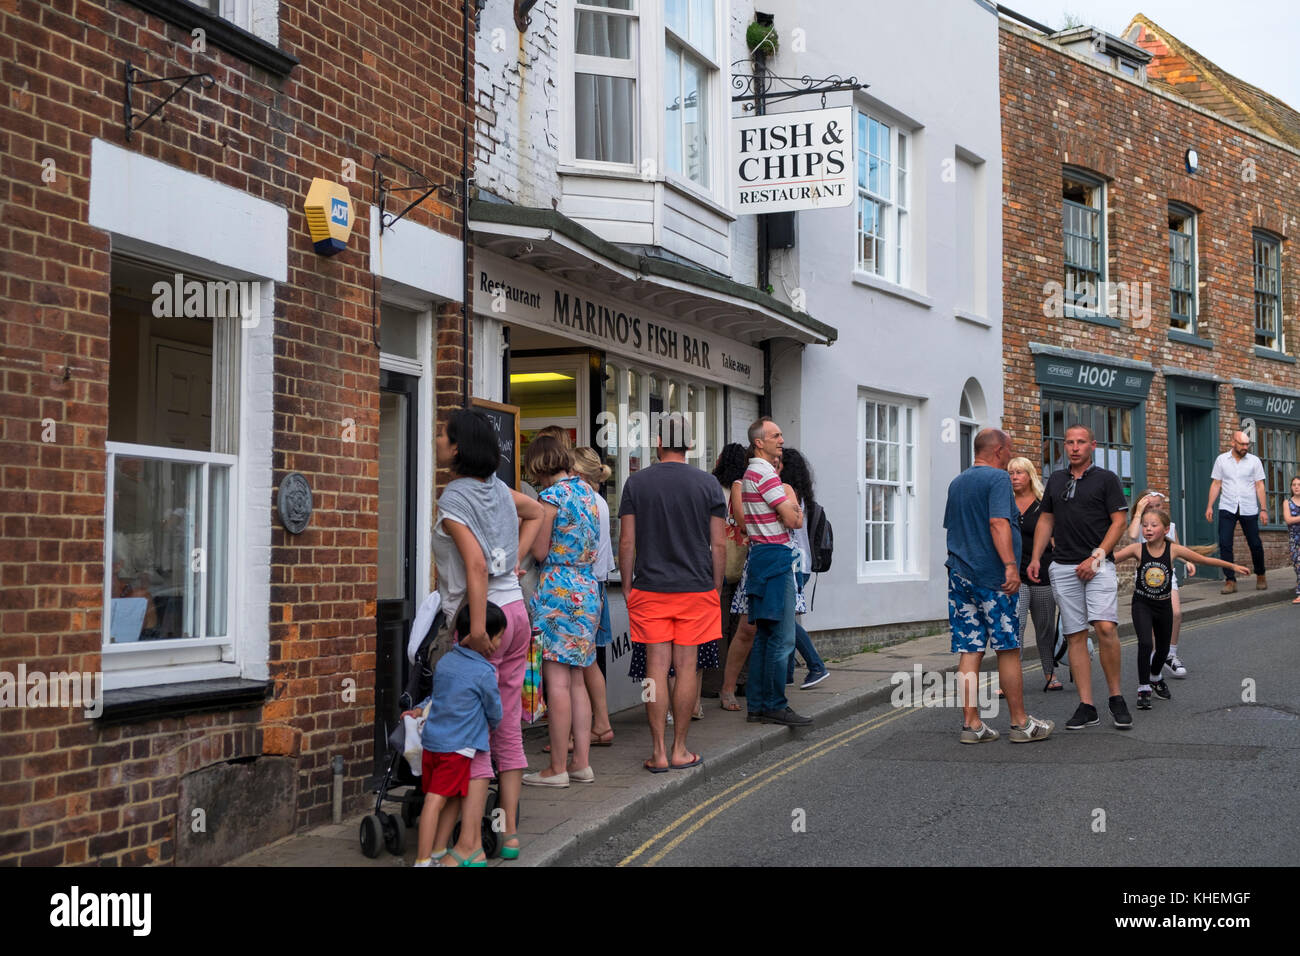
(447, 775)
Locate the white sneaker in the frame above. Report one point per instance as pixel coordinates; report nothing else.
(1175, 668)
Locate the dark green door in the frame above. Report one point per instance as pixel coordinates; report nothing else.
(1195, 452)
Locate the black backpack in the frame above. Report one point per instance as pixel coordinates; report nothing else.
(821, 540)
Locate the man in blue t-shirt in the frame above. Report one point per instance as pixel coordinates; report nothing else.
(983, 585)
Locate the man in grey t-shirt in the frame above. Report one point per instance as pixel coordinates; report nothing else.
(671, 553)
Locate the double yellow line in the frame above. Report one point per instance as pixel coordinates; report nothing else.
(753, 784)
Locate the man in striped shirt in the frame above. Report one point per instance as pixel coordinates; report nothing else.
(769, 513)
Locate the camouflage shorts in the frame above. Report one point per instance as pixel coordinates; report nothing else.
(981, 617)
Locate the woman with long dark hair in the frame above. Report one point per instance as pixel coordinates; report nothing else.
(482, 526)
(796, 472)
(729, 469)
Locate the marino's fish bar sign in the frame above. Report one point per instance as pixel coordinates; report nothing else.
(792, 161)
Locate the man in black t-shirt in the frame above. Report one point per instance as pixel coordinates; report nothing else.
(671, 553)
(1084, 513)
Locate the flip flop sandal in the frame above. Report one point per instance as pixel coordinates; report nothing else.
(653, 769)
(1053, 684)
(729, 702)
(698, 761)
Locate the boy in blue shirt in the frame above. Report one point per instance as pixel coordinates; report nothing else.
(464, 705)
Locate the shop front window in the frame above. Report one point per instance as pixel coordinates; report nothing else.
(628, 428)
(1112, 427)
(1279, 452)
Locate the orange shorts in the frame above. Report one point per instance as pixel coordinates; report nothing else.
(688, 619)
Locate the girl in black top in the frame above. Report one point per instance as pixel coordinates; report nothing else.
(1153, 615)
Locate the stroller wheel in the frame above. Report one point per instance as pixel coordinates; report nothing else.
(394, 834)
(371, 836)
(491, 840)
(412, 805)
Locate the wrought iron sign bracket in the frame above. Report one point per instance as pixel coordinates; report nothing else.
(133, 75)
(383, 186)
(768, 88)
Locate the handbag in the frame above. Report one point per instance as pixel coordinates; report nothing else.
(534, 705)
(736, 554)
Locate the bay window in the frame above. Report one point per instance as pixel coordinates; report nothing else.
(690, 69)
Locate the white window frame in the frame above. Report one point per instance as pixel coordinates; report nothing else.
(572, 63)
(259, 17)
(1098, 184)
(203, 649)
(1258, 239)
(1189, 217)
(895, 207)
(904, 535)
(716, 130)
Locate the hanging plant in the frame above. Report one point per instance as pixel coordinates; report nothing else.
(761, 39)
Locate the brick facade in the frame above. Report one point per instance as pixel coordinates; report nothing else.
(1059, 110)
(370, 79)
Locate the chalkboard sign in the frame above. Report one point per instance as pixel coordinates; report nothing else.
(505, 420)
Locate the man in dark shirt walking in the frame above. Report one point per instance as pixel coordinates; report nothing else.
(1085, 512)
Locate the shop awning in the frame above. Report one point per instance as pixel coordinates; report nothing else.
(554, 243)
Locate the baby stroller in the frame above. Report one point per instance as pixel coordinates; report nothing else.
(387, 829)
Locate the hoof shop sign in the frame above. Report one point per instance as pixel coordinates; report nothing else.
(792, 161)
(329, 216)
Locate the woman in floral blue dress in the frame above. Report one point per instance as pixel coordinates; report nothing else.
(565, 608)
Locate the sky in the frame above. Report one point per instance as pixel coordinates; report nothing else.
(1256, 41)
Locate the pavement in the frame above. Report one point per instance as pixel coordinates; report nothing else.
(557, 826)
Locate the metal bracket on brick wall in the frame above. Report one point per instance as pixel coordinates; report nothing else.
(383, 186)
(133, 76)
(522, 8)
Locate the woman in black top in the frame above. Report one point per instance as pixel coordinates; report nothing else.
(1153, 615)
(1035, 599)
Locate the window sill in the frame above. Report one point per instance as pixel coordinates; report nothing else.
(890, 288)
(129, 705)
(963, 316)
(221, 33)
(689, 190)
(1189, 338)
(1274, 355)
(1096, 318)
(890, 577)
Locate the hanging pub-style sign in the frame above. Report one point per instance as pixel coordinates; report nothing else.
(793, 161)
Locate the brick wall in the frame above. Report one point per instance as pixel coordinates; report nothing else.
(370, 79)
(518, 105)
(1058, 110)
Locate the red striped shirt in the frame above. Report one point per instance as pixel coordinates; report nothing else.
(761, 493)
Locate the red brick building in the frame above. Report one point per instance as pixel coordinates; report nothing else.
(1149, 286)
(173, 348)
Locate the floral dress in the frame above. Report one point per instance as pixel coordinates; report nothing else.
(1295, 542)
(565, 608)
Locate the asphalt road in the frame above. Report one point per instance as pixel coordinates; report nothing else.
(1201, 780)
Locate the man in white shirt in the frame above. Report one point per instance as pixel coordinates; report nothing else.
(1238, 483)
